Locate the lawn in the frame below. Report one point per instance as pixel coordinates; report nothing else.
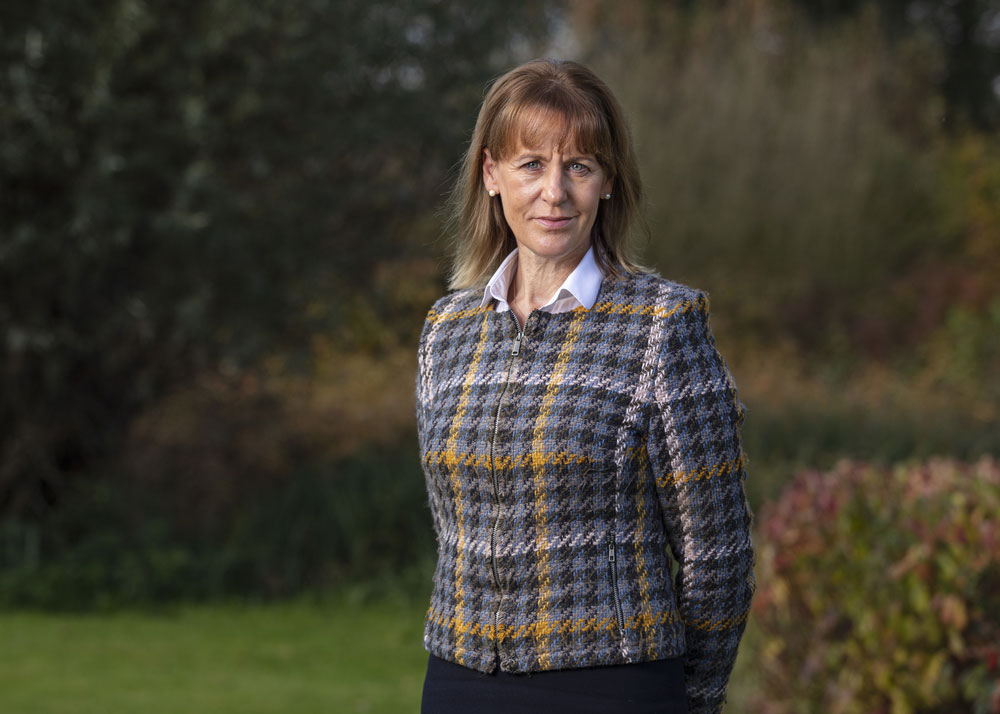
(215, 659)
(300, 657)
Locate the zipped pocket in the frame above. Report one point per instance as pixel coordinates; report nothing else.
(613, 567)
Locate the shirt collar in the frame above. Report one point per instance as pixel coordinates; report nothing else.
(579, 289)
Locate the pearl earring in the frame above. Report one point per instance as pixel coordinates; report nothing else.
(607, 196)
(492, 193)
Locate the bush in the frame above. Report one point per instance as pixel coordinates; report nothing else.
(358, 522)
(880, 591)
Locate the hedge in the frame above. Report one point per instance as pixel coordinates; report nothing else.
(880, 591)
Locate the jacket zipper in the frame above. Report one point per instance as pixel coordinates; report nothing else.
(612, 560)
(514, 352)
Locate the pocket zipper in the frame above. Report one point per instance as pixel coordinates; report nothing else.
(612, 560)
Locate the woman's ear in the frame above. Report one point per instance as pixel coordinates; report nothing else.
(489, 172)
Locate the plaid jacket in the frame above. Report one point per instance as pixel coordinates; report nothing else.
(568, 469)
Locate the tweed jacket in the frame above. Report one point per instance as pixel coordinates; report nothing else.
(586, 483)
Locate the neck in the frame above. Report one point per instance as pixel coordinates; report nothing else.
(536, 279)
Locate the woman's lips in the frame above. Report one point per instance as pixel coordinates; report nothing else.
(554, 221)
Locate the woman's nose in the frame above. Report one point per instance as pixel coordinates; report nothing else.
(554, 188)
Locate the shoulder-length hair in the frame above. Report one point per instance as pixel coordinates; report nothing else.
(525, 105)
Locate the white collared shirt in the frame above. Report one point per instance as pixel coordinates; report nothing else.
(579, 289)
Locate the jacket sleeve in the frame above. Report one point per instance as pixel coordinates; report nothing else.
(422, 382)
(423, 390)
(698, 463)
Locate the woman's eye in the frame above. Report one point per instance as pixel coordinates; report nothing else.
(531, 165)
(577, 167)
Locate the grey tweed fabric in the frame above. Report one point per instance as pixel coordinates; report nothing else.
(569, 470)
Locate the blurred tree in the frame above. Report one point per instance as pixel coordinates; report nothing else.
(183, 185)
(968, 31)
(777, 180)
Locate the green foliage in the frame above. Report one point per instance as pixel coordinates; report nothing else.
(798, 170)
(179, 182)
(880, 591)
(962, 28)
(777, 180)
(323, 527)
(971, 340)
(964, 350)
(783, 439)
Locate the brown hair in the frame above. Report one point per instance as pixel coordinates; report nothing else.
(524, 105)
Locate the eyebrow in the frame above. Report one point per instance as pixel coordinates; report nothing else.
(537, 155)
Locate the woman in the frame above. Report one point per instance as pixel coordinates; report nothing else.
(578, 431)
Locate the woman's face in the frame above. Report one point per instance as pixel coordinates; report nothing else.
(550, 196)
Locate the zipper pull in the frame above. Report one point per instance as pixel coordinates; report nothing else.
(611, 552)
(516, 349)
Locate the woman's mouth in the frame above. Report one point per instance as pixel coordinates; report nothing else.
(554, 221)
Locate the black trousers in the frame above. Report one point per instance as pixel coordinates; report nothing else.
(644, 688)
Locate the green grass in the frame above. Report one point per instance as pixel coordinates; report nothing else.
(215, 659)
(338, 657)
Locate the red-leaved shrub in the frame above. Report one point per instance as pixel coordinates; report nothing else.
(879, 591)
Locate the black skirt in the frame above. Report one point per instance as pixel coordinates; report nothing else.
(644, 688)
